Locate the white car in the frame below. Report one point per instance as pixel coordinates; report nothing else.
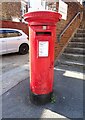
(13, 40)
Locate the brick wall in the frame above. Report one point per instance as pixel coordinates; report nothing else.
(9, 10)
(73, 8)
(16, 25)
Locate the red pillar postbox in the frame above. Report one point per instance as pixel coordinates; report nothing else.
(42, 36)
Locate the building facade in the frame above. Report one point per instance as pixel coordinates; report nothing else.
(13, 11)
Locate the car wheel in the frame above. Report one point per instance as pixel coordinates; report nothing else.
(23, 49)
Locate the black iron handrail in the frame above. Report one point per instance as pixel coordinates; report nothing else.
(59, 37)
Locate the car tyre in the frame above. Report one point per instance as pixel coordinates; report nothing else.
(23, 49)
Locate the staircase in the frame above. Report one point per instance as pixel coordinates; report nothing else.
(73, 57)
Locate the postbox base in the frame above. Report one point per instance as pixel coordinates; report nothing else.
(40, 99)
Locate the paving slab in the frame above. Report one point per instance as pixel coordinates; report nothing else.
(12, 77)
(68, 93)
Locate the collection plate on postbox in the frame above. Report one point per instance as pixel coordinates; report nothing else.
(43, 49)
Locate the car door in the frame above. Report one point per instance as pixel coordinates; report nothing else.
(3, 42)
(12, 41)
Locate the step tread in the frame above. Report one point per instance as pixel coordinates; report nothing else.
(71, 50)
(65, 68)
(78, 37)
(80, 33)
(80, 29)
(72, 59)
(70, 67)
(76, 42)
(75, 55)
(75, 48)
(71, 63)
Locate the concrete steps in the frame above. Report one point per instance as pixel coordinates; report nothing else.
(73, 57)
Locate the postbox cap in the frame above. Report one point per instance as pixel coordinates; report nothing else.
(42, 17)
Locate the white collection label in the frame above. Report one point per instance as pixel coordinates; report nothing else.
(43, 49)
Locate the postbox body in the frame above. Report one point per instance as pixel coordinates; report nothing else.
(42, 59)
(42, 36)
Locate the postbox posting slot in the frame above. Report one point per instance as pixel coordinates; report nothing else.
(43, 33)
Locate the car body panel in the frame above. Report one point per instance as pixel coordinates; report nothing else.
(11, 40)
(3, 46)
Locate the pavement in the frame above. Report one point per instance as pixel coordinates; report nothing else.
(14, 76)
(68, 94)
(14, 69)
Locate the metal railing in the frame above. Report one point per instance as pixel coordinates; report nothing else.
(59, 37)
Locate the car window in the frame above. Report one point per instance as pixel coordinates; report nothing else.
(2, 34)
(9, 33)
(12, 33)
